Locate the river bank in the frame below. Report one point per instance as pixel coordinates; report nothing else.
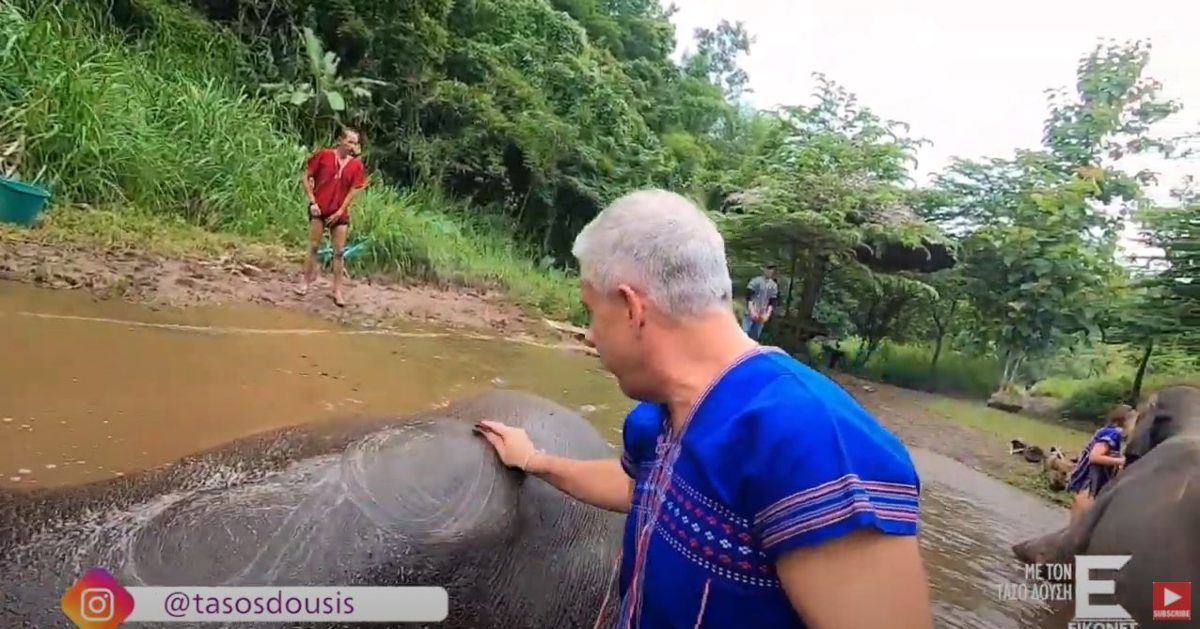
(222, 272)
(193, 268)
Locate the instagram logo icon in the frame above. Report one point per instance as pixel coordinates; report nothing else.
(97, 601)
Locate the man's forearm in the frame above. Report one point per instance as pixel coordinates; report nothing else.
(598, 482)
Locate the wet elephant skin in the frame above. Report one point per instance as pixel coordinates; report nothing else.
(417, 500)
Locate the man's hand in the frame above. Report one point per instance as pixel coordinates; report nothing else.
(513, 445)
(314, 211)
(336, 216)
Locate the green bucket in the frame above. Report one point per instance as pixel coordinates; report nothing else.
(21, 203)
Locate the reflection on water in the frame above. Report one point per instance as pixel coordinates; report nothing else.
(84, 397)
(969, 522)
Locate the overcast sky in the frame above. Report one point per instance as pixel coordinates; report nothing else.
(969, 76)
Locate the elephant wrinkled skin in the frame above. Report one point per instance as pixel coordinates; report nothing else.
(1150, 511)
(415, 500)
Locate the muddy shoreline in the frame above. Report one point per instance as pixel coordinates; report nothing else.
(909, 414)
(180, 281)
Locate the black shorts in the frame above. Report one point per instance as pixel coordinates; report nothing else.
(344, 220)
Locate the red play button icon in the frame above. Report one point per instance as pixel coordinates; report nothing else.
(1172, 600)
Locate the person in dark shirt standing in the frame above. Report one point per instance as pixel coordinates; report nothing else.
(332, 178)
(761, 295)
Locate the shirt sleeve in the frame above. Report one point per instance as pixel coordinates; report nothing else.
(819, 469)
(638, 436)
(1111, 437)
(628, 462)
(360, 177)
(314, 164)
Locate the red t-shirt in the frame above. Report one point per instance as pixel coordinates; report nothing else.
(330, 187)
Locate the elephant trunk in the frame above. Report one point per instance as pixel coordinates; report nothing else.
(1050, 548)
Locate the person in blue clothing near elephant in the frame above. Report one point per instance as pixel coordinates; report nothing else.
(759, 493)
(762, 293)
(1100, 460)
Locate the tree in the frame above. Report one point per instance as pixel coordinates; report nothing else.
(943, 303)
(882, 300)
(716, 57)
(326, 90)
(831, 186)
(1037, 239)
(1160, 305)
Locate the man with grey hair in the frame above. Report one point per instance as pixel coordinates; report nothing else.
(758, 491)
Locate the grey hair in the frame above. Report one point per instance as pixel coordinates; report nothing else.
(660, 243)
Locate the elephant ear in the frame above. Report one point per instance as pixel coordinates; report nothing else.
(1172, 410)
(1162, 427)
(1152, 428)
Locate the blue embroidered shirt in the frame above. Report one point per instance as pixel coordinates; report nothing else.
(1085, 473)
(775, 457)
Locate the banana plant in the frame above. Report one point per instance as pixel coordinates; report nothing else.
(325, 93)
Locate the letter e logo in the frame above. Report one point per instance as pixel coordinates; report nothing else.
(1086, 586)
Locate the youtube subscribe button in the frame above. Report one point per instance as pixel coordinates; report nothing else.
(1172, 600)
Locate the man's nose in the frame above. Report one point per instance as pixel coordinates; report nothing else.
(587, 338)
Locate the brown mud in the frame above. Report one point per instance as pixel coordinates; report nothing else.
(93, 388)
(154, 279)
(909, 414)
(176, 282)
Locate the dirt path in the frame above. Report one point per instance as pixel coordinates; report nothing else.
(909, 414)
(184, 281)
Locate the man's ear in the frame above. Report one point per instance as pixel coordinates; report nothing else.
(635, 306)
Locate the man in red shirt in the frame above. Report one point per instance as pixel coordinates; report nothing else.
(333, 177)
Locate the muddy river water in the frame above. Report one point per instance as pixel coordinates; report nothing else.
(91, 389)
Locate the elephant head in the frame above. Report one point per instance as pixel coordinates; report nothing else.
(1166, 413)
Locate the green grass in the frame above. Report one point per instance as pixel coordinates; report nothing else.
(907, 366)
(1091, 399)
(1086, 400)
(1000, 427)
(1059, 387)
(128, 228)
(1005, 426)
(158, 132)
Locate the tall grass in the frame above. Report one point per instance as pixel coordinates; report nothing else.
(908, 366)
(1092, 399)
(957, 374)
(157, 122)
